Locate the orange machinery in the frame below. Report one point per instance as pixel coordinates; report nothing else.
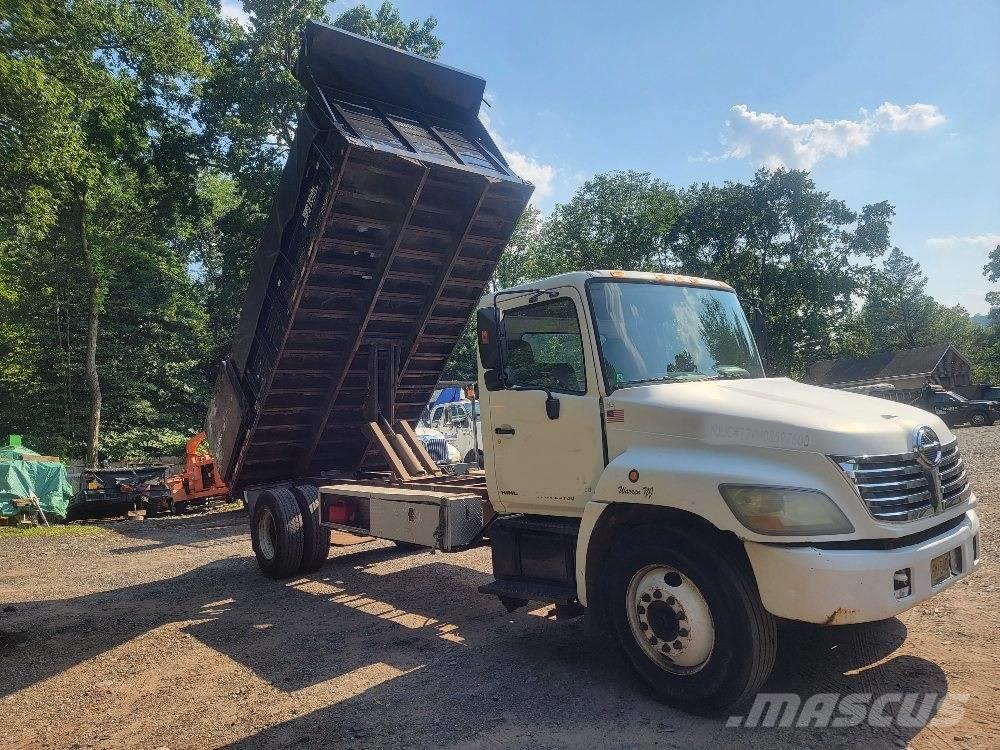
(200, 481)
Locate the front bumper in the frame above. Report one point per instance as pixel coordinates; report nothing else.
(839, 586)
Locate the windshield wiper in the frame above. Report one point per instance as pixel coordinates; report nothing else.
(676, 377)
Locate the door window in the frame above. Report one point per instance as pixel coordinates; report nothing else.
(545, 346)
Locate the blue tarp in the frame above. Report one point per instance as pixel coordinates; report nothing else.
(447, 395)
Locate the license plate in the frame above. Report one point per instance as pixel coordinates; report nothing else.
(940, 568)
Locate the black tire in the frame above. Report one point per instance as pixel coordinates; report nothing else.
(152, 508)
(980, 419)
(276, 533)
(745, 634)
(474, 457)
(315, 537)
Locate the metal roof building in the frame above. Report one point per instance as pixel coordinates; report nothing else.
(905, 369)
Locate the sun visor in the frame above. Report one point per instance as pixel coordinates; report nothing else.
(357, 65)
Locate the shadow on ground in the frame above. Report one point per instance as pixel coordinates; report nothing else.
(462, 672)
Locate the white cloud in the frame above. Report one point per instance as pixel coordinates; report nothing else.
(967, 242)
(233, 9)
(542, 176)
(892, 117)
(774, 141)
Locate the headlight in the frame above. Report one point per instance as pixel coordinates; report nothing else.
(784, 511)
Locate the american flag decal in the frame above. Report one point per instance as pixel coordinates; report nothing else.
(614, 415)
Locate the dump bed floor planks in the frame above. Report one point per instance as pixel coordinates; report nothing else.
(393, 210)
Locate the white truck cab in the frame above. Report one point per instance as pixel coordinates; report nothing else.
(705, 497)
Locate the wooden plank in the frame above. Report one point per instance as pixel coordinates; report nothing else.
(403, 451)
(418, 448)
(388, 452)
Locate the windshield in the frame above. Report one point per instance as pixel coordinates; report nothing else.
(662, 333)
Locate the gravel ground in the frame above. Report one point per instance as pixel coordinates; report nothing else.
(161, 634)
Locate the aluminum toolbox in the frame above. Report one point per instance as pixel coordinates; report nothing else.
(393, 209)
(444, 520)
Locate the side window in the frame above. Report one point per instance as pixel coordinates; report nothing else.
(545, 347)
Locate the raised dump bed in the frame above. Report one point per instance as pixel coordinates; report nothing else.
(394, 207)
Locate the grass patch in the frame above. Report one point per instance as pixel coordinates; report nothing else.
(68, 529)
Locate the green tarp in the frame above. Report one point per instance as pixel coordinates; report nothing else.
(19, 478)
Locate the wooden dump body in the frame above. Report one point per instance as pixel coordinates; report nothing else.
(394, 207)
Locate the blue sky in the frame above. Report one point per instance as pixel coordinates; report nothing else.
(708, 91)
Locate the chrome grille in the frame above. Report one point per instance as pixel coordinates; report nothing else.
(897, 488)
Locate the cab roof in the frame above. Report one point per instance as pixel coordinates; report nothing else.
(579, 279)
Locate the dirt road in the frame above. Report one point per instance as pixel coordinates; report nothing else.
(161, 634)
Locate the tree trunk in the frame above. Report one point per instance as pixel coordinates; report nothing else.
(90, 356)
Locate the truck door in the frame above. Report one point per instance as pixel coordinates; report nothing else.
(545, 465)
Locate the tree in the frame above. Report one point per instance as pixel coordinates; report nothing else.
(386, 26)
(897, 310)
(793, 253)
(248, 110)
(615, 220)
(117, 78)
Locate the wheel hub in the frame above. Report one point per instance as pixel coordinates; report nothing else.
(663, 620)
(266, 534)
(670, 619)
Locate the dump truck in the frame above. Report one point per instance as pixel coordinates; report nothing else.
(639, 467)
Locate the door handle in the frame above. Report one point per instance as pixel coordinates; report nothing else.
(505, 430)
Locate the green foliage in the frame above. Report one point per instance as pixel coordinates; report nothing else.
(141, 142)
(386, 26)
(795, 255)
(617, 220)
(899, 314)
(898, 311)
(103, 158)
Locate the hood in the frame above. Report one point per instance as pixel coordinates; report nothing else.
(772, 413)
(983, 402)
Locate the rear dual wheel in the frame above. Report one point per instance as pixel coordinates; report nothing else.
(689, 618)
(286, 533)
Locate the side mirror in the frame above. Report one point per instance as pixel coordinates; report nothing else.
(493, 380)
(488, 337)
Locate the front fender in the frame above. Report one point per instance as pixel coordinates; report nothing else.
(686, 475)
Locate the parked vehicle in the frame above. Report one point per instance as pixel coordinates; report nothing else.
(115, 492)
(954, 409)
(438, 445)
(197, 483)
(640, 466)
(461, 424)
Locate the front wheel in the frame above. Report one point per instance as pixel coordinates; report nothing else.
(980, 419)
(689, 619)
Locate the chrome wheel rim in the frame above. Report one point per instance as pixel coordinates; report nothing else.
(670, 619)
(266, 534)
